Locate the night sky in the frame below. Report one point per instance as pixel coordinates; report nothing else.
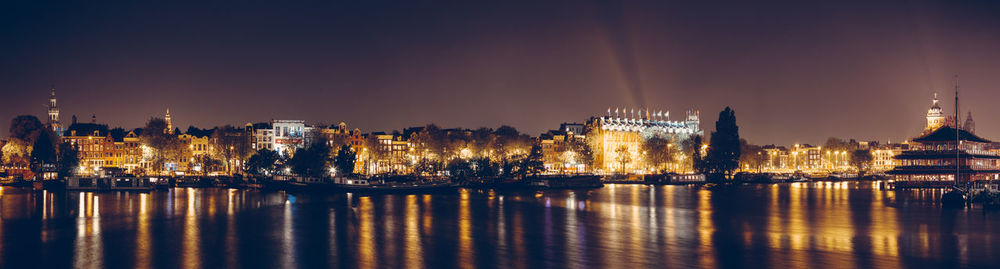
(794, 71)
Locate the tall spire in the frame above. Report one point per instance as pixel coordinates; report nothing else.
(970, 125)
(53, 120)
(170, 125)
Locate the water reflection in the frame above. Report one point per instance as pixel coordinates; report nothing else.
(837, 224)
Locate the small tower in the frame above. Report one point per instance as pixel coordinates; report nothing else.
(53, 120)
(970, 125)
(935, 117)
(170, 126)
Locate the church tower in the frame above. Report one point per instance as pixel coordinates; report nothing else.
(53, 120)
(170, 126)
(970, 125)
(935, 117)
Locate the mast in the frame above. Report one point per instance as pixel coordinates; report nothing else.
(957, 140)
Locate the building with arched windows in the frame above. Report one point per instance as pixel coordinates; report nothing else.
(616, 140)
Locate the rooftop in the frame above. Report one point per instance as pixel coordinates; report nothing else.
(947, 134)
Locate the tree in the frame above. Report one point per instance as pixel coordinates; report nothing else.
(836, 144)
(659, 151)
(25, 127)
(460, 168)
(751, 156)
(623, 156)
(430, 143)
(231, 145)
(508, 142)
(69, 159)
(312, 161)
(582, 152)
(532, 164)
(344, 162)
(861, 159)
(484, 168)
(43, 152)
(426, 166)
(724, 146)
(162, 147)
(481, 140)
(697, 161)
(14, 150)
(208, 163)
(263, 163)
(376, 153)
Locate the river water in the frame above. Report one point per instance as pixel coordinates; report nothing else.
(798, 225)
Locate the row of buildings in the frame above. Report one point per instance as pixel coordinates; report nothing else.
(615, 143)
(885, 156)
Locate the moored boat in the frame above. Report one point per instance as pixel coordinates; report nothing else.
(109, 184)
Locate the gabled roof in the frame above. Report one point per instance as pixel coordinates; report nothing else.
(86, 129)
(946, 134)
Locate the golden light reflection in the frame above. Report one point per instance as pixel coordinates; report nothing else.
(232, 240)
(884, 232)
(669, 225)
(466, 255)
(192, 237)
(142, 241)
(635, 229)
(414, 251)
(89, 249)
(571, 232)
(705, 229)
(427, 215)
(366, 242)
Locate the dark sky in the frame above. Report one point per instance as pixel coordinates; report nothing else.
(795, 72)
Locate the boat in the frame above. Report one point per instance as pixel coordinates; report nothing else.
(565, 182)
(396, 187)
(109, 184)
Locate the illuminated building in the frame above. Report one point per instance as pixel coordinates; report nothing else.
(261, 135)
(283, 136)
(395, 154)
(776, 158)
(90, 140)
(557, 156)
(53, 120)
(195, 146)
(935, 116)
(931, 160)
(883, 156)
(616, 140)
(170, 124)
(339, 133)
(288, 136)
(807, 157)
(131, 158)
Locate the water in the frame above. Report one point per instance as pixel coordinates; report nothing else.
(817, 225)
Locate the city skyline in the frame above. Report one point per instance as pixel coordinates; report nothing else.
(840, 71)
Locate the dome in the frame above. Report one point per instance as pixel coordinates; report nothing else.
(935, 109)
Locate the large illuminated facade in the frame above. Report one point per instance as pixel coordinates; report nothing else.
(616, 140)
